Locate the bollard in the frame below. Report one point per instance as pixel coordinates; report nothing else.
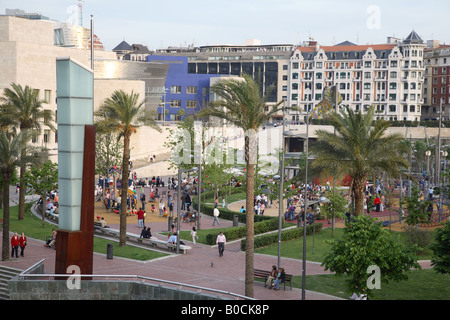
(235, 220)
(109, 251)
(169, 224)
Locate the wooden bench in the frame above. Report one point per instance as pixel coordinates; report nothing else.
(263, 274)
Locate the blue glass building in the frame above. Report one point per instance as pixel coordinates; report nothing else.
(185, 93)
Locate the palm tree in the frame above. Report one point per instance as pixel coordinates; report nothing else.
(23, 110)
(360, 148)
(10, 150)
(122, 113)
(242, 105)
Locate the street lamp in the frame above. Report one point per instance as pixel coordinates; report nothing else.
(306, 205)
(180, 171)
(428, 154)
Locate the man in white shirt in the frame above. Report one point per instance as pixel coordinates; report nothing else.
(220, 241)
(216, 215)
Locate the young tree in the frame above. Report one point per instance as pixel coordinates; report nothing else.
(336, 206)
(366, 244)
(23, 110)
(122, 113)
(40, 180)
(441, 250)
(417, 209)
(241, 104)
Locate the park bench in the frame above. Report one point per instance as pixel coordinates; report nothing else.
(263, 274)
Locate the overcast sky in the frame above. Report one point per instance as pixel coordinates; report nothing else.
(206, 22)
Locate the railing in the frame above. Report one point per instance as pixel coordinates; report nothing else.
(162, 283)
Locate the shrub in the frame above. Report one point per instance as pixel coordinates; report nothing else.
(290, 234)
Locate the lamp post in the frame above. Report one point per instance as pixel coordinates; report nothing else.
(306, 207)
(428, 154)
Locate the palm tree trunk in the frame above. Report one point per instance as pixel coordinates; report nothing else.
(124, 191)
(250, 232)
(5, 243)
(22, 187)
(250, 241)
(359, 186)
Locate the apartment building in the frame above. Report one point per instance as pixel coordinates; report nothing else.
(436, 83)
(389, 76)
(267, 63)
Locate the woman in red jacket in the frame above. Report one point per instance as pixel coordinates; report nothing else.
(15, 245)
(22, 243)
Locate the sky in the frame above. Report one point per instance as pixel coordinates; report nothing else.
(160, 24)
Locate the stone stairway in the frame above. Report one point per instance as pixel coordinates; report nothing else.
(6, 273)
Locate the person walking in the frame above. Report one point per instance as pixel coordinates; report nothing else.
(216, 216)
(22, 243)
(193, 234)
(15, 245)
(221, 241)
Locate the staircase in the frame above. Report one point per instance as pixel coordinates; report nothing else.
(6, 273)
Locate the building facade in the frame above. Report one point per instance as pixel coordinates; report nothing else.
(183, 93)
(389, 76)
(269, 64)
(436, 83)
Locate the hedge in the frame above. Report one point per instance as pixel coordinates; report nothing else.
(290, 234)
(240, 232)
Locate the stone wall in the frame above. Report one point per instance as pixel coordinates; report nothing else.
(99, 290)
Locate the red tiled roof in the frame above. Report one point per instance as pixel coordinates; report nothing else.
(349, 48)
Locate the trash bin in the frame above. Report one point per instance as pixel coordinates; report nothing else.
(109, 251)
(235, 220)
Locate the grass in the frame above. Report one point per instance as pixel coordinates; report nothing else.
(294, 248)
(32, 227)
(423, 284)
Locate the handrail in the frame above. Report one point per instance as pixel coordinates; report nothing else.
(178, 284)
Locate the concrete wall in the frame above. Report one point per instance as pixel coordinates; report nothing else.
(98, 290)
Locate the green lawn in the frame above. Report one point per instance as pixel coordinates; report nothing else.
(423, 284)
(32, 227)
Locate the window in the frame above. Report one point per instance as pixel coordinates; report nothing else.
(393, 75)
(367, 75)
(295, 76)
(175, 103)
(294, 96)
(191, 90)
(191, 104)
(367, 85)
(392, 108)
(175, 89)
(392, 85)
(48, 96)
(46, 136)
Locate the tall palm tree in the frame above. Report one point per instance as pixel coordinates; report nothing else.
(122, 113)
(242, 105)
(23, 110)
(359, 148)
(10, 150)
